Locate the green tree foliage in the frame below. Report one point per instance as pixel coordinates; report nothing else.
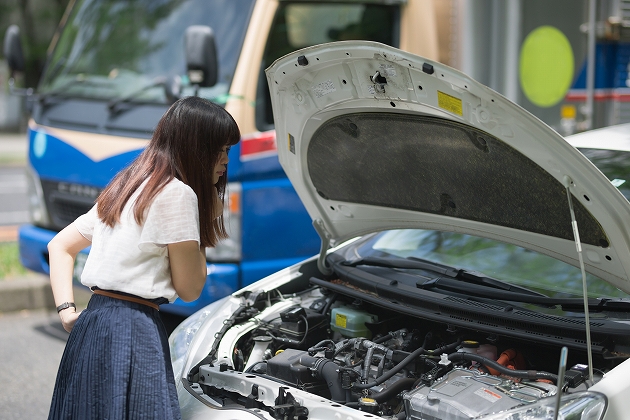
(38, 21)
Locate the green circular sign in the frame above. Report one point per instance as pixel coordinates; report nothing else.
(546, 67)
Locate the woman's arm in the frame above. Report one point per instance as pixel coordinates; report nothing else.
(188, 269)
(62, 251)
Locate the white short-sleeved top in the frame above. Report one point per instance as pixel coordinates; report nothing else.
(133, 258)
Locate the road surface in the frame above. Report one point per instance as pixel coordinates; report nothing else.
(31, 345)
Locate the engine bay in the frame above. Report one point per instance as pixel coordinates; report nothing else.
(288, 355)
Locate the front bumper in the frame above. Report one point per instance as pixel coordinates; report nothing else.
(33, 243)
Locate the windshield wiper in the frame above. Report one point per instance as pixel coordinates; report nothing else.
(475, 284)
(407, 263)
(471, 277)
(171, 90)
(48, 98)
(567, 304)
(604, 304)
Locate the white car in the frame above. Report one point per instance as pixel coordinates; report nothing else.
(609, 149)
(458, 233)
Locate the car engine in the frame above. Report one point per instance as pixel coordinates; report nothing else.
(378, 362)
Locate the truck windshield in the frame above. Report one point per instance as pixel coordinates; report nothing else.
(109, 49)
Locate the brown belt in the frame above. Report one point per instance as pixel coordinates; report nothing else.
(128, 298)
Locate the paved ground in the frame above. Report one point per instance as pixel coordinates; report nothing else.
(31, 344)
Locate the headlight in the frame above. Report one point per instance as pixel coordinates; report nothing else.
(183, 335)
(229, 249)
(36, 202)
(578, 406)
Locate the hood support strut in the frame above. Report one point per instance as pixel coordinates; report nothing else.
(578, 245)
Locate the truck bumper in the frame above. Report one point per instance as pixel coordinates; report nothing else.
(222, 280)
(33, 243)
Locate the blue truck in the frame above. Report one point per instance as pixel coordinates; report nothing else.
(115, 67)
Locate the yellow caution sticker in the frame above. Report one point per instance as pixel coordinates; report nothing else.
(450, 103)
(341, 320)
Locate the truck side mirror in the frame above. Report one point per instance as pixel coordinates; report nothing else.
(13, 49)
(202, 64)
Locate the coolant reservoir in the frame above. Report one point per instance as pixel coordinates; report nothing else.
(488, 351)
(350, 322)
(469, 346)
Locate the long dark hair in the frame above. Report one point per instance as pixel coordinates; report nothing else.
(186, 145)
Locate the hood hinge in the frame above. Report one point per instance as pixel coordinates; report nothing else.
(318, 224)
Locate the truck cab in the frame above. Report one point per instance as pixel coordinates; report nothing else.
(115, 67)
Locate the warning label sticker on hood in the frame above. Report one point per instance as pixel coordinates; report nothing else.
(450, 103)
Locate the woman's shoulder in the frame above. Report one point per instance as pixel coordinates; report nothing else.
(177, 189)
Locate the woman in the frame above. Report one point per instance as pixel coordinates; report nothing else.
(148, 232)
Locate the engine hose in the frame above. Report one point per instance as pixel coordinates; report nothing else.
(393, 390)
(251, 368)
(342, 345)
(383, 339)
(320, 346)
(332, 300)
(381, 366)
(523, 374)
(349, 396)
(329, 371)
(444, 349)
(392, 371)
(367, 363)
(406, 361)
(510, 358)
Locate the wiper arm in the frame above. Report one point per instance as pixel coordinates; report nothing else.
(604, 304)
(473, 277)
(476, 277)
(473, 283)
(46, 99)
(567, 304)
(408, 263)
(171, 90)
(485, 291)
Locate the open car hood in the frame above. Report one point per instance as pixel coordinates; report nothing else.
(374, 138)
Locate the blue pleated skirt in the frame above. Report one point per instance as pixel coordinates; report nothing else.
(116, 365)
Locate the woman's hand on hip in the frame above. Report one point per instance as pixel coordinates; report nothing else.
(62, 251)
(69, 318)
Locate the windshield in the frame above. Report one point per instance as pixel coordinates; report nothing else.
(613, 164)
(110, 48)
(509, 263)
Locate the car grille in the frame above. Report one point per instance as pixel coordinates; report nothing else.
(66, 201)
